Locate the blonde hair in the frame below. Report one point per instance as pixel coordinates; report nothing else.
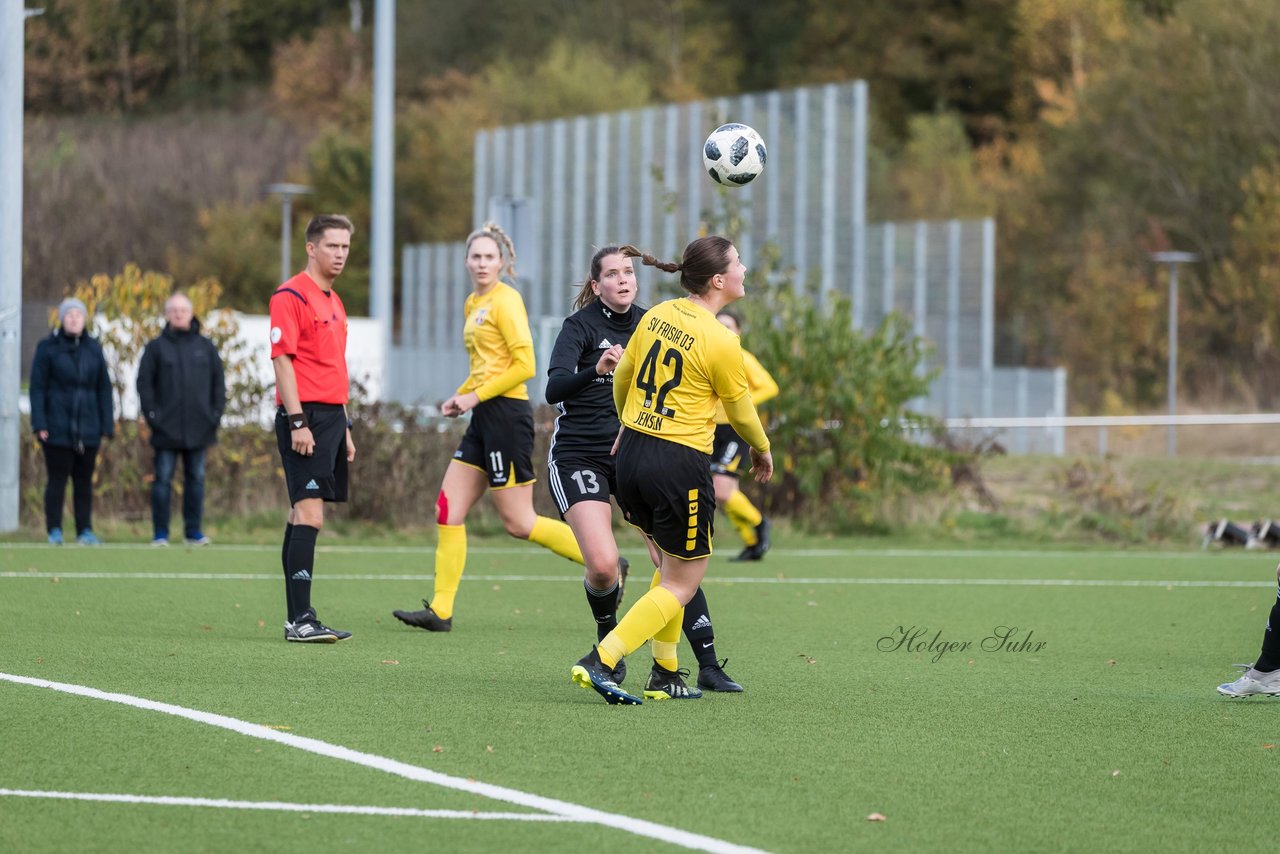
(494, 232)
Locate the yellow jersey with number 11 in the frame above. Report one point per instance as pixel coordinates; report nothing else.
(679, 363)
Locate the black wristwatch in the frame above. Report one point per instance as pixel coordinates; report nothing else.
(297, 420)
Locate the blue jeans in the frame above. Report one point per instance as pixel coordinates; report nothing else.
(192, 490)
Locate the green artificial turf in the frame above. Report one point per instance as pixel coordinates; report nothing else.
(1107, 736)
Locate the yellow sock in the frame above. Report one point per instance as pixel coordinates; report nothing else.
(451, 559)
(666, 641)
(645, 619)
(556, 536)
(744, 516)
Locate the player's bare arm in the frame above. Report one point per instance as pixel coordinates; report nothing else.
(300, 439)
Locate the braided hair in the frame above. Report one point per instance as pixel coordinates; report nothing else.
(494, 232)
(702, 259)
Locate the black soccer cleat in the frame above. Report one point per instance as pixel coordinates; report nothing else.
(763, 542)
(619, 671)
(425, 619)
(713, 678)
(667, 684)
(309, 629)
(590, 672)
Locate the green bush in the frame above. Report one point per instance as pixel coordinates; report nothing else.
(847, 445)
(1098, 500)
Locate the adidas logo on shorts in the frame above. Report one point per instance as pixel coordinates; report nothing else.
(311, 484)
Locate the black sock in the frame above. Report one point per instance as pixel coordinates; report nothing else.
(697, 628)
(1269, 660)
(604, 607)
(284, 566)
(299, 564)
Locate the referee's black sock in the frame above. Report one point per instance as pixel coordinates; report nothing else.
(284, 565)
(298, 566)
(698, 629)
(604, 607)
(1269, 660)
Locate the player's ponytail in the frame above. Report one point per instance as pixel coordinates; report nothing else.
(494, 232)
(649, 261)
(703, 258)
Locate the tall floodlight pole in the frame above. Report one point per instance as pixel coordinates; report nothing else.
(12, 49)
(382, 192)
(1173, 259)
(287, 192)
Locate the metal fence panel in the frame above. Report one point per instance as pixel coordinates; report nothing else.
(565, 187)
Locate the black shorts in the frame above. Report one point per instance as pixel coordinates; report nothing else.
(728, 451)
(664, 489)
(499, 442)
(324, 473)
(583, 477)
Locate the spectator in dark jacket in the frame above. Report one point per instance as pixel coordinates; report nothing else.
(182, 394)
(70, 413)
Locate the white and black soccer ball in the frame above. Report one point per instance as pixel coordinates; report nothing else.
(734, 154)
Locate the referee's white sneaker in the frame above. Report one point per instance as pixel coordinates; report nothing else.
(1252, 682)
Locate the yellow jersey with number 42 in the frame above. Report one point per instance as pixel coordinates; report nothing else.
(679, 363)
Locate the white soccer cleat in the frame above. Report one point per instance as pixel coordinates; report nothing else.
(1252, 682)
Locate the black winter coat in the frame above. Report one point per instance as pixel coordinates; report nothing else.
(71, 391)
(181, 389)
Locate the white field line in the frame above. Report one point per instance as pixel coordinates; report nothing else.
(803, 554)
(574, 812)
(281, 806)
(562, 579)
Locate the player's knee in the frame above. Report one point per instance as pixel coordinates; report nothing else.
(601, 574)
(312, 517)
(518, 528)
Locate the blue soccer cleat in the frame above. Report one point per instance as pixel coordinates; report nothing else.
(590, 672)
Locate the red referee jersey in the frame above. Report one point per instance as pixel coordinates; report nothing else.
(311, 326)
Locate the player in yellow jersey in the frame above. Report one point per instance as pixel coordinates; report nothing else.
(727, 456)
(679, 362)
(496, 453)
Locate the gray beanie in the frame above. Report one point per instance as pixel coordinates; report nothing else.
(68, 304)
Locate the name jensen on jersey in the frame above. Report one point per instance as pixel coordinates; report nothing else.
(650, 420)
(672, 334)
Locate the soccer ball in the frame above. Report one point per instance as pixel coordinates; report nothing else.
(733, 154)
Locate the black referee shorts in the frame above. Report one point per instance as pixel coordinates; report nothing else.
(499, 442)
(664, 489)
(727, 451)
(581, 477)
(324, 473)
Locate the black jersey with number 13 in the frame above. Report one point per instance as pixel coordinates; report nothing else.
(588, 422)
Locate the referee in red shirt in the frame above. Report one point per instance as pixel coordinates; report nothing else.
(309, 354)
